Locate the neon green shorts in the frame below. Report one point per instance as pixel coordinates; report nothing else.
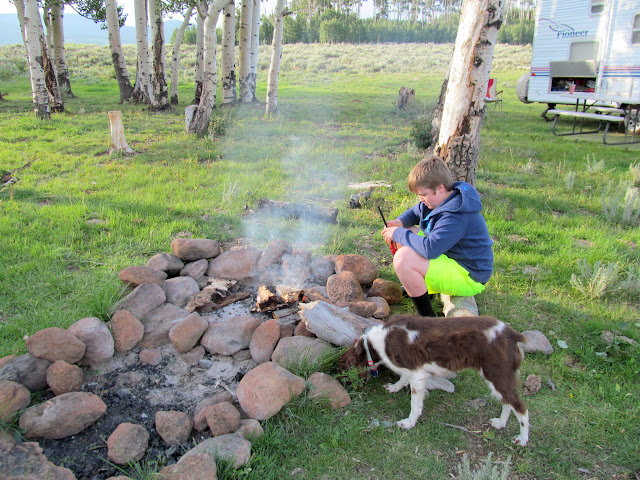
(445, 275)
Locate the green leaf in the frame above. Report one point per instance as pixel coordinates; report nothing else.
(562, 344)
(489, 434)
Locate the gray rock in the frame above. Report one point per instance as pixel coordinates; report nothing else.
(26, 370)
(232, 447)
(229, 336)
(26, 461)
(537, 342)
(159, 322)
(170, 264)
(235, 264)
(56, 344)
(95, 334)
(179, 289)
(195, 270)
(299, 351)
(144, 299)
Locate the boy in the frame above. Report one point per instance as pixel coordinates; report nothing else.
(443, 242)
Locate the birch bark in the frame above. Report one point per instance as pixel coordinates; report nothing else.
(59, 52)
(117, 55)
(175, 55)
(463, 106)
(160, 97)
(142, 91)
(229, 55)
(199, 55)
(200, 122)
(255, 45)
(276, 57)
(36, 68)
(244, 52)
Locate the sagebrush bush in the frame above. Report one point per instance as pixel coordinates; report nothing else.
(421, 132)
(488, 471)
(621, 204)
(597, 280)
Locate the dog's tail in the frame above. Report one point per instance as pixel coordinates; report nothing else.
(517, 339)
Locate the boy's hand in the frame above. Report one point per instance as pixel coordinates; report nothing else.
(387, 234)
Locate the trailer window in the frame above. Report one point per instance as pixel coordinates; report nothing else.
(597, 7)
(635, 31)
(581, 51)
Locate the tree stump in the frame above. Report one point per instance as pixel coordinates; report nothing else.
(459, 306)
(189, 113)
(405, 97)
(118, 141)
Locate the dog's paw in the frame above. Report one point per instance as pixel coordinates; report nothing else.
(520, 440)
(406, 424)
(497, 423)
(393, 387)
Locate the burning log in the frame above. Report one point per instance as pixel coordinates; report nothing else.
(223, 302)
(334, 324)
(266, 301)
(299, 211)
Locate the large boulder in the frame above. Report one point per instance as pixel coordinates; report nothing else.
(390, 291)
(62, 416)
(266, 389)
(325, 387)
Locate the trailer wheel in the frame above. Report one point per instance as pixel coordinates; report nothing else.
(632, 125)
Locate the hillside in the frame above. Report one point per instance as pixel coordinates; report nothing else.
(77, 29)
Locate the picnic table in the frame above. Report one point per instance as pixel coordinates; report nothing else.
(606, 110)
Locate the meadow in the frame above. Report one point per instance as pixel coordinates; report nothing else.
(563, 213)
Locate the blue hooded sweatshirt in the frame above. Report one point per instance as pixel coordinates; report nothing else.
(455, 228)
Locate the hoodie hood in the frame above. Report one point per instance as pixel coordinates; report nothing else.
(463, 199)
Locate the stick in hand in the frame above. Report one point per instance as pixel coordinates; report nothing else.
(392, 246)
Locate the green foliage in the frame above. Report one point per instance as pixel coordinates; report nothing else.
(421, 132)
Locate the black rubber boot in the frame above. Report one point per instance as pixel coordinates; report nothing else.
(423, 305)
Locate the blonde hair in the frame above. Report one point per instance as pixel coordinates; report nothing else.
(430, 172)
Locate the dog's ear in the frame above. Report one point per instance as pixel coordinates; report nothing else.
(351, 355)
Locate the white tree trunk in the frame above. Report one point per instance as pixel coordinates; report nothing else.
(142, 91)
(244, 52)
(255, 45)
(229, 55)
(20, 11)
(36, 68)
(117, 55)
(59, 52)
(175, 56)
(199, 56)
(463, 109)
(118, 141)
(276, 57)
(200, 122)
(46, 20)
(160, 97)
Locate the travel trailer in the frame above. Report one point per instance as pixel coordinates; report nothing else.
(586, 48)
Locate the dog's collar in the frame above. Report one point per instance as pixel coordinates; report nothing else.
(372, 366)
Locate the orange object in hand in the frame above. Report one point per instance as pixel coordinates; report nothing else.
(392, 245)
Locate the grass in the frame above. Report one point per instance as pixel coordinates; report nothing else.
(75, 216)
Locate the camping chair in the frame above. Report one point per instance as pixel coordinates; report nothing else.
(493, 97)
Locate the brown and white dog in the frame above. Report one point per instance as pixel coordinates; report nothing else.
(416, 347)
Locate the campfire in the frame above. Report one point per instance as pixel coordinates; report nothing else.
(191, 345)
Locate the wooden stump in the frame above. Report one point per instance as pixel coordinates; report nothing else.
(459, 306)
(405, 97)
(118, 141)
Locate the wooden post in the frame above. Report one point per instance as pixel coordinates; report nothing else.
(118, 142)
